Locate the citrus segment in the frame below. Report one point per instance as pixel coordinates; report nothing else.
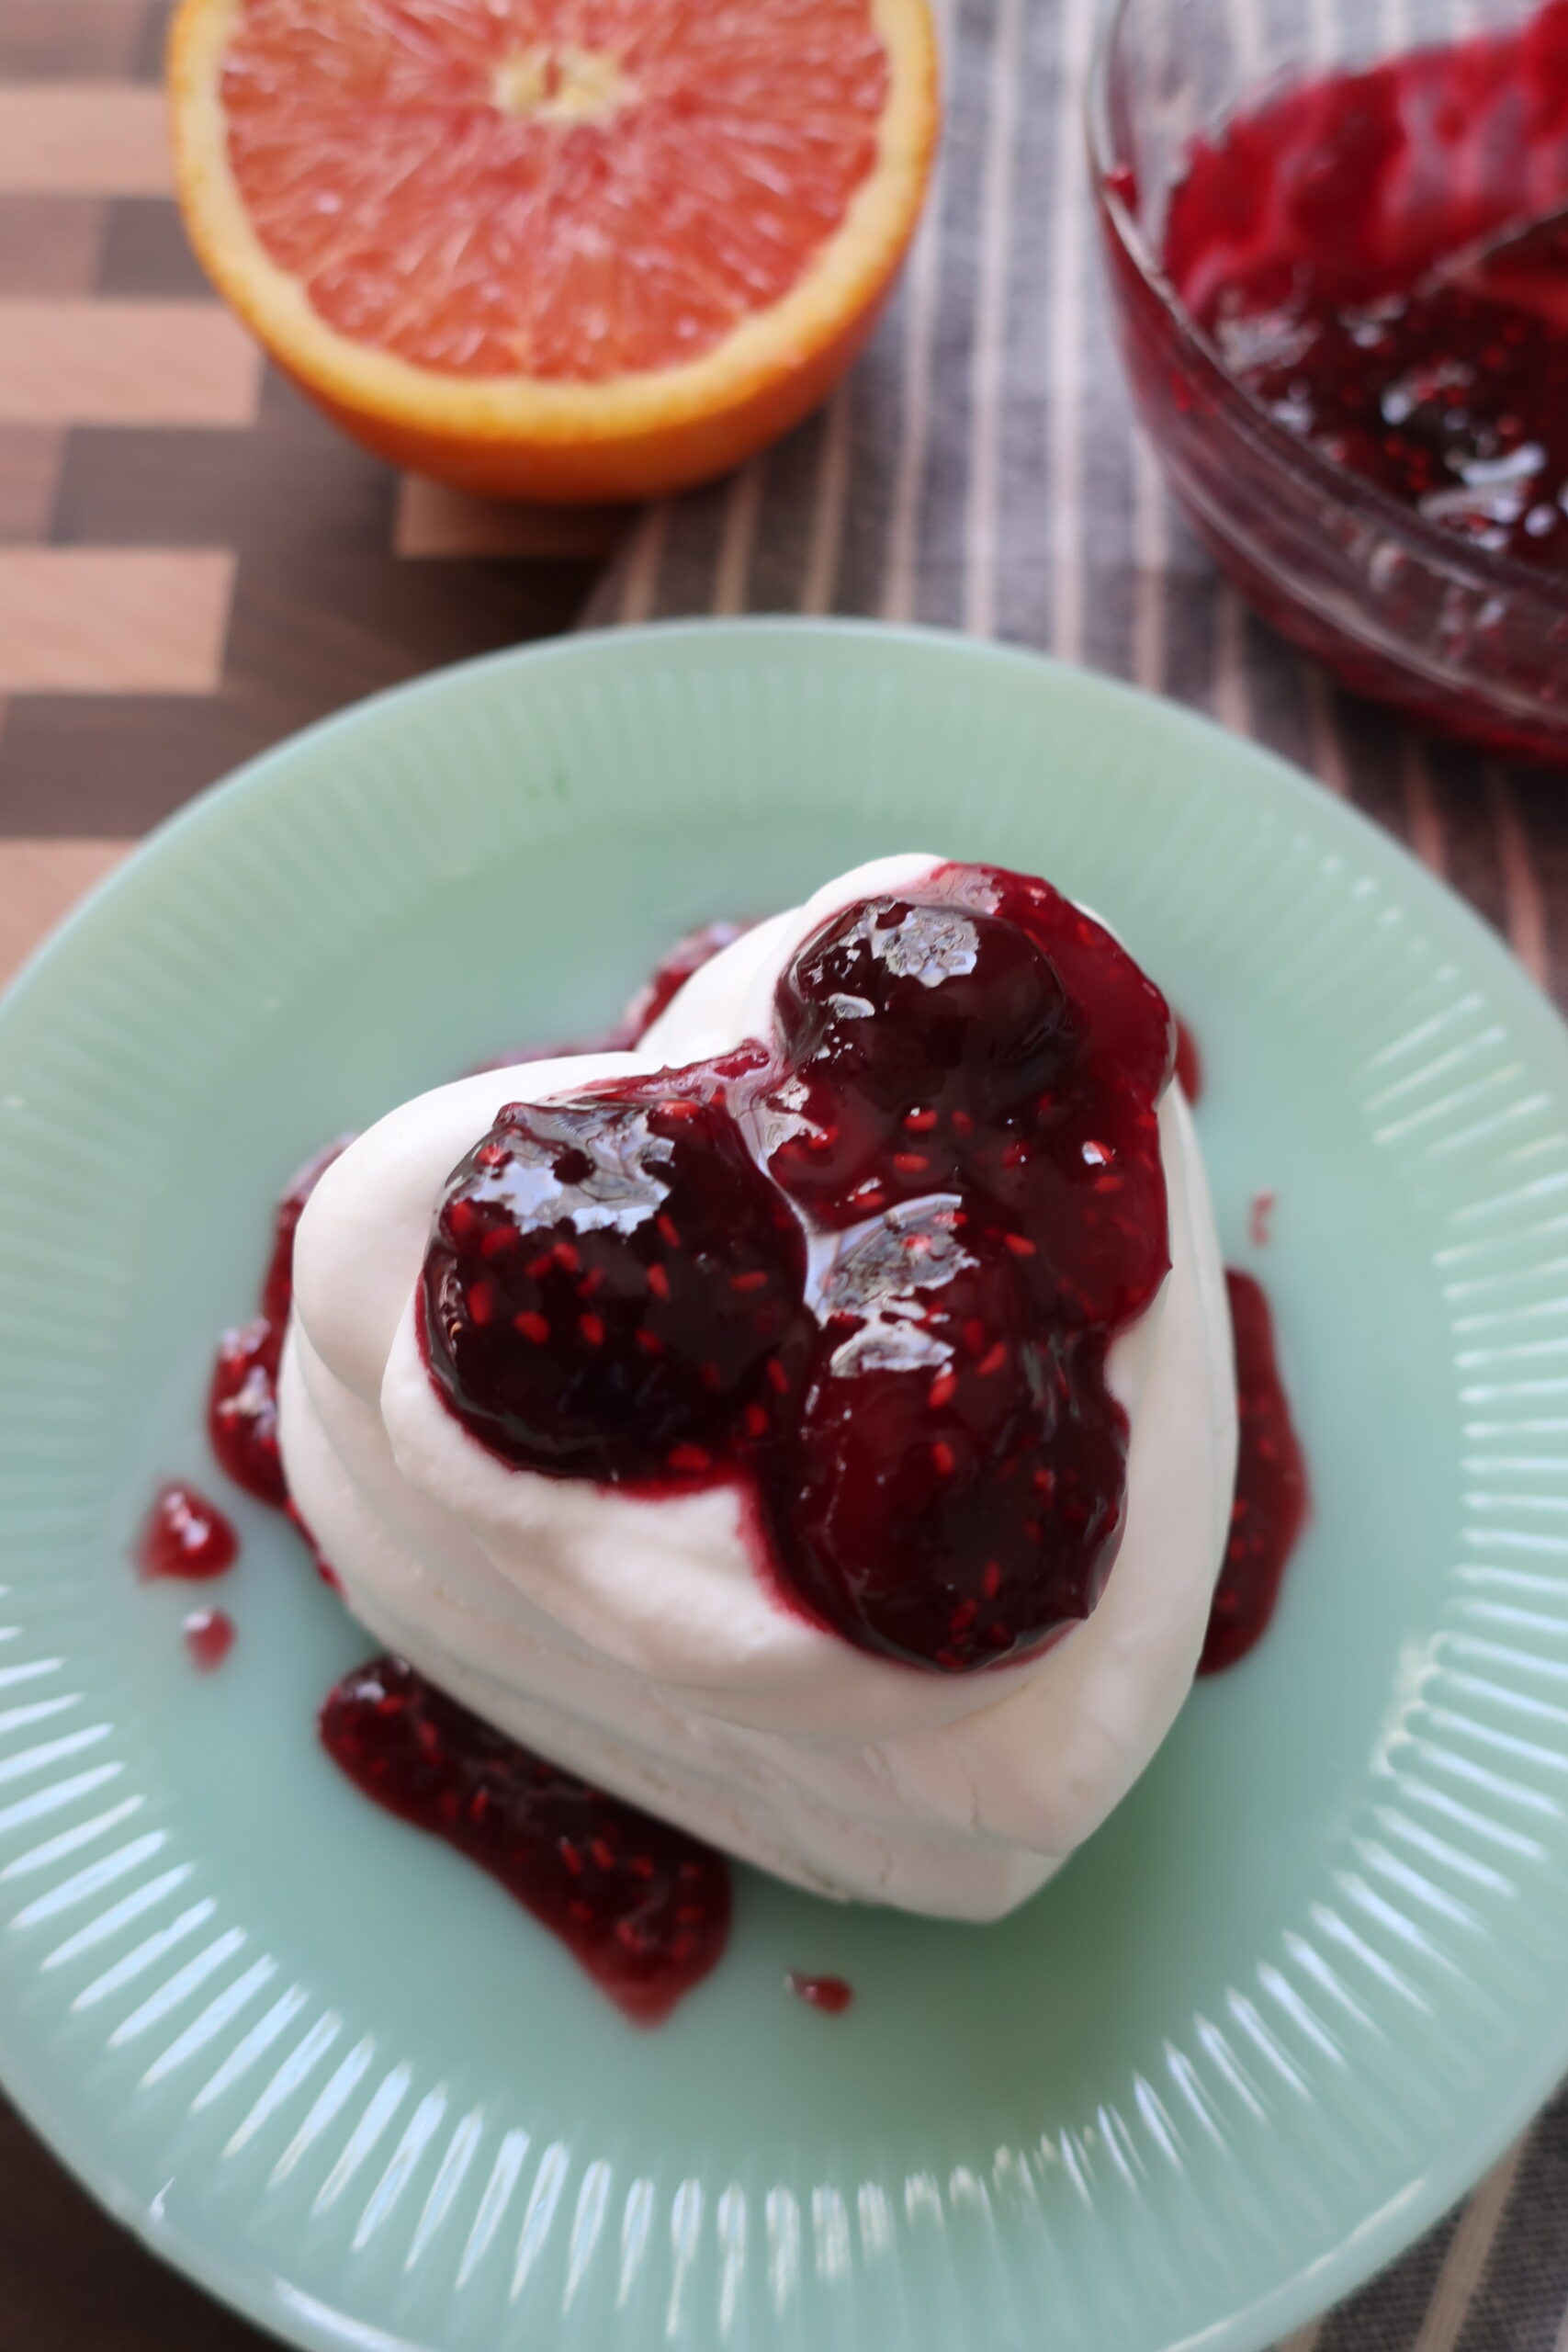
(590, 247)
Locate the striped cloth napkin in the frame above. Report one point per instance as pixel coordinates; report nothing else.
(982, 471)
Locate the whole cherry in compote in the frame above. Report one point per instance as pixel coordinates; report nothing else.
(614, 1286)
(872, 1264)
(914, 1034)
(951, 1479)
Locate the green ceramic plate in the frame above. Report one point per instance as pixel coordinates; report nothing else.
(1299, 1992)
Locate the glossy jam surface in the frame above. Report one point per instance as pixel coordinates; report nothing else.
(1315, 239)
(875, 1267)
(242, 1405)
(209, 1636)
(1452, 398)
(642, 1907)
(1271, 1505)
(242, 1413)
(614, 1283)
(185, 1535)
(831, 1994)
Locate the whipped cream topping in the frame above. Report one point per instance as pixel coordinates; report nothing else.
(638, 1640)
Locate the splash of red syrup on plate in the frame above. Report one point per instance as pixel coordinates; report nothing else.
(641, 1906)
(241, 1406)
(1271, 1499)
(187, 1536)
(209, 1636)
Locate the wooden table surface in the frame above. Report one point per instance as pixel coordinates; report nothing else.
(192, 564)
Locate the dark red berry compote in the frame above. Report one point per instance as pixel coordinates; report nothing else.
(874, 1268)
(210, 1635)
(1310, 239)
(241, 1407)
(1271, 1505)
(1377, 259)
(1189, 1063)
(831, 1994)
(644, 1907)
(185, 1535)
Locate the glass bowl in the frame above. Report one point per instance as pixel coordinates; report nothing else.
(1470, 642)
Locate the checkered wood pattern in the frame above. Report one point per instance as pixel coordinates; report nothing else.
(192, 562)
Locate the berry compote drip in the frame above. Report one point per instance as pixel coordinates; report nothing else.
(1189, 1063)
(185, 1535)
(1320, 240)
(874, 1268)
(242, 1408)
(644, 1907)
(831, 1994)
(209, 1636)
(1271, 1505)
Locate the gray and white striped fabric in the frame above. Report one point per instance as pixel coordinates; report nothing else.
(981, 472)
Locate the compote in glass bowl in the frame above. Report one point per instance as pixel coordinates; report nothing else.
(1339, 253)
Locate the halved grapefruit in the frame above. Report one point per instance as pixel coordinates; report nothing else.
(555, 249)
